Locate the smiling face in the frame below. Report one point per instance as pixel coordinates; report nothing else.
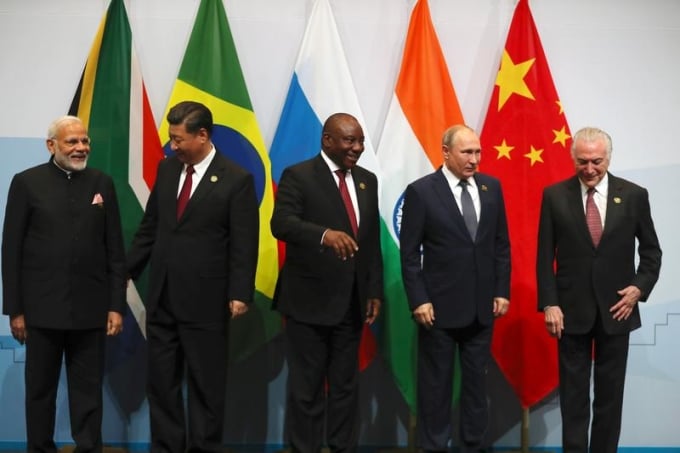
(70, 146)
(343, 140)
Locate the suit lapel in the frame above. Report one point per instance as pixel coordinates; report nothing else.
(212, 175)
(485, 201)
(443, 190)
(328, 187)
(575, 203)
(615, 196)
(360, 186)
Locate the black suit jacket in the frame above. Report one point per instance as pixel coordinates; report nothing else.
(63, 260)
(459, 276)
(314, 286)
(209, 256)
(587, 278)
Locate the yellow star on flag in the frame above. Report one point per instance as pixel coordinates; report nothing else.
(510, 79)
(561, 136)
(559, 104)
(504, 150)
(534, 155)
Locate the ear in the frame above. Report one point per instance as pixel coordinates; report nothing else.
(203, 135)
(51, 145)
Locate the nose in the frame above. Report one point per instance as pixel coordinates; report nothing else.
(82, 147)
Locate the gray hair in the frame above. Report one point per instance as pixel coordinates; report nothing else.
(450, 133)
(60, 122)
(592, 134)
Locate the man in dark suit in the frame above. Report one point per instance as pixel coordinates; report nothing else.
(63, 273)
(455, 258)
(332, 277)
(203, 256)
(589, 225)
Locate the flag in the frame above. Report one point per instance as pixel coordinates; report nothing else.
(112, 102)
(211, 74)
(321, 85)
(526, 142)
(423, 106)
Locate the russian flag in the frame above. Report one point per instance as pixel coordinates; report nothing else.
(321, 85)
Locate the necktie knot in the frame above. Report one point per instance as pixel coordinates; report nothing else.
(190, 169)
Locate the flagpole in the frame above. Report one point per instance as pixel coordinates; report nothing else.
(524, 434)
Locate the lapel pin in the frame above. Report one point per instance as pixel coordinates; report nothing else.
(484, 188)
(362, 186)
(213, 178)
(617, 200)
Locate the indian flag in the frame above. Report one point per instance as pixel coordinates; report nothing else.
(424, 104)
(211, 74)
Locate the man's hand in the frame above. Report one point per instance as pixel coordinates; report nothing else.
(17, 326)
(114, 324)
(501, 305)
(237, 308)
(372, 310)
(424, 314)
(554, 321)
(630, 295)
(342, 243)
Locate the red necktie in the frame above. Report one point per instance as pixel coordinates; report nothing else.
(593, 218)
(344, 193)
(185, 193)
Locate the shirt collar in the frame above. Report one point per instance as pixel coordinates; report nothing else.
(203, 165)
(602, 187)
(332, 165)
(455, 180)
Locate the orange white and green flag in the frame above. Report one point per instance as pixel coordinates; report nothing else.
(423, 105)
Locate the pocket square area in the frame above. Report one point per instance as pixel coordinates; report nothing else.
(97, 199)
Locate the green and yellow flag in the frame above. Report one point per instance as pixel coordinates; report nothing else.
(211, 74)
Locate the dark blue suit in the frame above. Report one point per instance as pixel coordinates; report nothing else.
(460, 277)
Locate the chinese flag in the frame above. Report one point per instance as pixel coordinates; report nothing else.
(526, 143)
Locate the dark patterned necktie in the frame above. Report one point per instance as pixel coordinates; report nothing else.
(593, 218)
